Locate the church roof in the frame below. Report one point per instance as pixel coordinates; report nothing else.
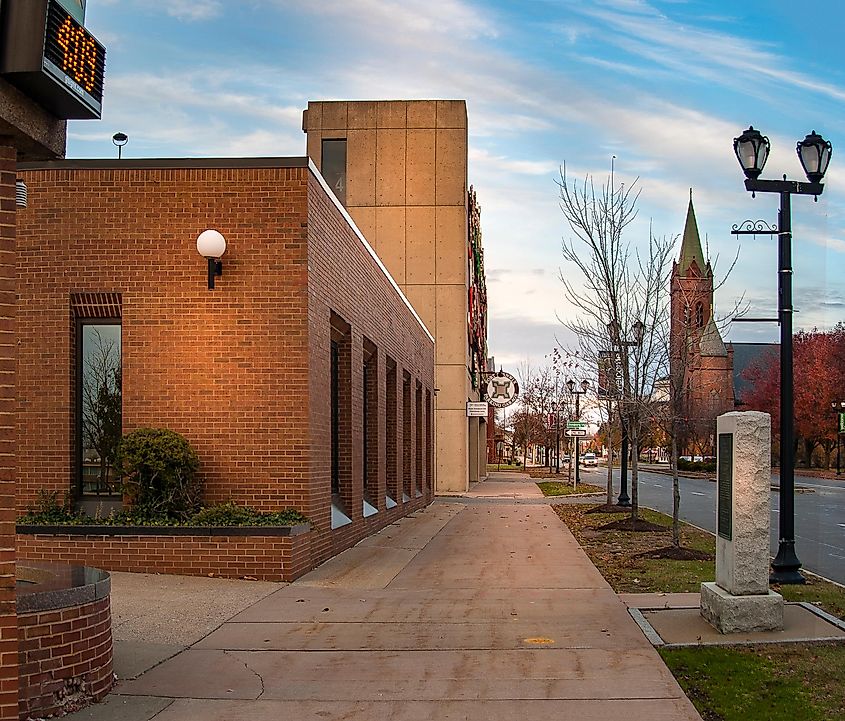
(691, 245)
(711, 344)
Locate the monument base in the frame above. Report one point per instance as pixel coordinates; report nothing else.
(740, 614)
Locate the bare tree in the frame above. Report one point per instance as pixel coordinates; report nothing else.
(621, 294)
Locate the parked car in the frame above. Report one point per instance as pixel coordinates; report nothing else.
(589, 459)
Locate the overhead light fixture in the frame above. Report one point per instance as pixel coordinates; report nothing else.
(211, 245)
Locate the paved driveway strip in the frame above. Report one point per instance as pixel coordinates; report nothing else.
(464, 611)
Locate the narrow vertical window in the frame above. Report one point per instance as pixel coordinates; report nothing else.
(370, 423)
(333, 167)
(406, 436)
(99, 404)
(393, 490)
(419, 428)
(429, 439)
(699, 314)
(335, 394)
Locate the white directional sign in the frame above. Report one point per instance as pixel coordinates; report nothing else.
(575, 432)
(502, 389)
(476, 409)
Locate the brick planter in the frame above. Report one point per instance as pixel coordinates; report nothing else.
(263, 553)
(64, 638)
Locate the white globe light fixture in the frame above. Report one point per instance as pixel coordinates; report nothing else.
(211, 245)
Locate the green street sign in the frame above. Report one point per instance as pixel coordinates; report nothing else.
(842, 422)
(579, 424)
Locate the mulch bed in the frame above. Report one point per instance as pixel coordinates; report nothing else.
(629, 524)
(609, 509)
(677, 554)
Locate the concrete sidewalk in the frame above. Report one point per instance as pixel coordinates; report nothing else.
(462, 611)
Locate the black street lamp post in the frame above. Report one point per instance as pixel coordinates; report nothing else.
(752, 150)
(638, 331)
(585, 386)
(838, 407)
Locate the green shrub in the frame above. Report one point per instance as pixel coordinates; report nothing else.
(703, 466)
(231, 514)
(158, 469)
(47, 511)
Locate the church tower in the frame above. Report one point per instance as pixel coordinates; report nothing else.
(701, 366)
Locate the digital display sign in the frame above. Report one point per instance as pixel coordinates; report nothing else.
(50, 55)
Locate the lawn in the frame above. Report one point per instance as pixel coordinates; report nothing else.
(560, 488)
(788, 682)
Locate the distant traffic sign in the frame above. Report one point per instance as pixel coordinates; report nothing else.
(575, 432)
(576, 424)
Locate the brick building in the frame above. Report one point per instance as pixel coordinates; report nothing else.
(698, 353)
(400, 168)
(304, 379)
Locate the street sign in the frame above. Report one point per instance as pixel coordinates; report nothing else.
(576, 424)
(575, 432)
(476, 409)
(502, 389)
(842, 422)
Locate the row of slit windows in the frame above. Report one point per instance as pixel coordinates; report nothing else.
(416, 446)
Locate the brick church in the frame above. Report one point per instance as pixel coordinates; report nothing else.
(708, 372)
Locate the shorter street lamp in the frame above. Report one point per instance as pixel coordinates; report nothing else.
(838, 407)
(585, 386)
(615, 332)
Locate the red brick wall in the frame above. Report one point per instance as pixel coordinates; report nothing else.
(8, 625)
(63, 653)
(346, 279)
(227, 368)
(241, 371)
(264, 558)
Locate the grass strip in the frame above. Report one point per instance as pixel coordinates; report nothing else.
(558, 488)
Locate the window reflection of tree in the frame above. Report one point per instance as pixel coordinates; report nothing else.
(101, 409)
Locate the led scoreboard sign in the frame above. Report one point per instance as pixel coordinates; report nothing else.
(50, 56)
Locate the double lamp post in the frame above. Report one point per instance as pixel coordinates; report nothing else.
(752, 151)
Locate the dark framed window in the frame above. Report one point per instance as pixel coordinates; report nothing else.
(335, 394)
(99, 404)
(333, 166)
(699, 314)
(370, 424)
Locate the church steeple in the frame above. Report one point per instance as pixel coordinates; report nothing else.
(691, 245)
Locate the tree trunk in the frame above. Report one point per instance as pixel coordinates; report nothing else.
(635, 494)
(676, 496)
(610, 457)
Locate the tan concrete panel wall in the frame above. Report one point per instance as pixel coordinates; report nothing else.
(313, 117)
(334, 116)
(391, 114)
(451, 244)
(454, 384)
(451, 174)
(422, 297)
(390, 167)
(420, 245)
(451, 114)
(452, 458)
(419, 183)
(361, 155)
(361, 114)
(451, 333)
(365, 219)
(422, 114)
(390, 237)
(315, 143)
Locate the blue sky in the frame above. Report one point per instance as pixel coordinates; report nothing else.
(664, 86)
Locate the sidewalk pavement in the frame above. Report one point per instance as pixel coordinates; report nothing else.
(471, 610)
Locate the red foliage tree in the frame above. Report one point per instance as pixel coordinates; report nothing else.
(819, 372)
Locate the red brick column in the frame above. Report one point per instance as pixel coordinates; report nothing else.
(8, 619)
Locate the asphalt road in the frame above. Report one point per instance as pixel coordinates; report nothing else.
(819, 514)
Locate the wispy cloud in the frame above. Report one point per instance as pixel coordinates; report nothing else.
(193, 10)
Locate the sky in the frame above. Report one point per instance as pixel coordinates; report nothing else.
(658, 88)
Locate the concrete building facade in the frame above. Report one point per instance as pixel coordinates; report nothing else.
(400, 169)
(305, 379)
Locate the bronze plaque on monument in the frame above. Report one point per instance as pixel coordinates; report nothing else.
(725, 484)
